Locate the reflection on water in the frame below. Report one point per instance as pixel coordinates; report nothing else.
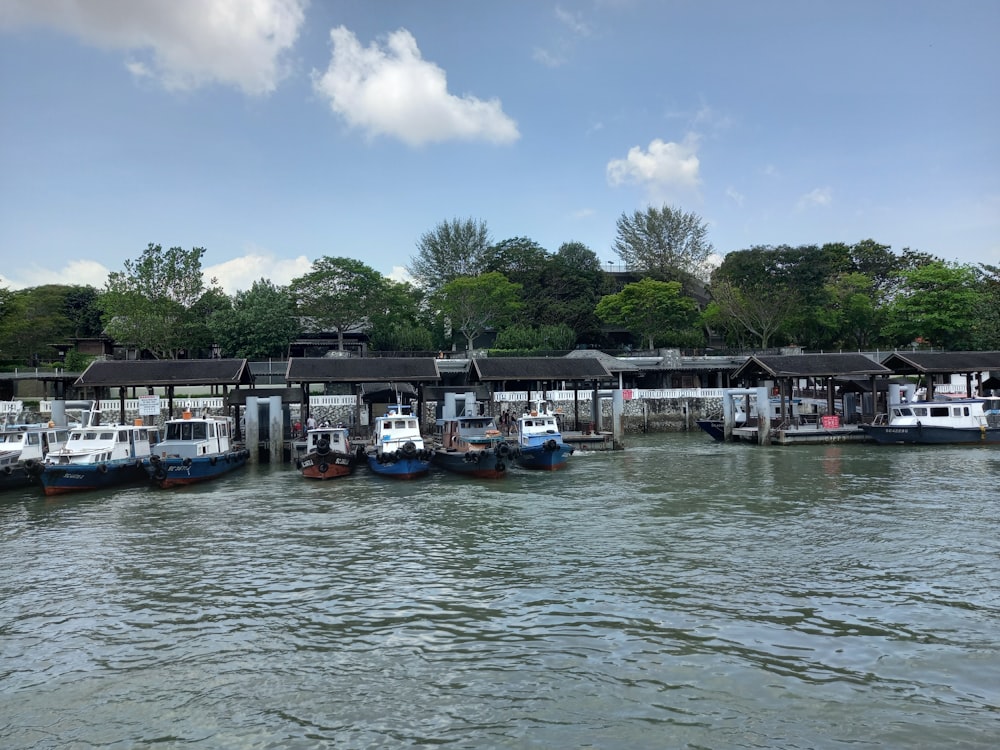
(679, 593)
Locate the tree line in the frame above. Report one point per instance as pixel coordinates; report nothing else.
(464, 284)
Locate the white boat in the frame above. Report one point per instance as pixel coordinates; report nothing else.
(97, 456)
(195, 449)
(947, 421)
(539, 440)
(22, 450)
(398, 449)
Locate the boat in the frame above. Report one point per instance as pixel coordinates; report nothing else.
(539, 441)
(195, 449)
(716, 427)
(98, 456)
(945, 421)
(22, 450)
(328, 454)
(398, 448)
(473, 446)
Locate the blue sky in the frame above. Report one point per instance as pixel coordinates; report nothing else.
(273, 132)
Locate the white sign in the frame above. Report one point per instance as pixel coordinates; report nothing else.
(149, 406)
(333, 401)
(10, 407)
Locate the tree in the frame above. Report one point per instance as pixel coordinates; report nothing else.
(337, 295)
(452, 249)
(399, 320)
(476, 304)
(33, 320)
(653, 310)
(854, 315)
(759, 309)
(665, 243)
(574, 282)
(987, 331)
(551, 338)
(939, 304)
(149, 304)
(260, 323)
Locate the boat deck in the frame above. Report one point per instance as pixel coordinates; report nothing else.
(807, 434)
(590, 441)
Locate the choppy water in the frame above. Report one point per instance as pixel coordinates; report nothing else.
(678, 594)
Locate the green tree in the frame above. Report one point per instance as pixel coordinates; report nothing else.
(452, 249)
(476, 304)
(337, 295)
(759, 309)
(522, 261)
(854, 315)
(547, 337)
(987, 330)
(656, 311)
(399, 320)
(665, 243)
(260, 323)
(35, 319)
(150, 304)
(574, 282)
(938, 304)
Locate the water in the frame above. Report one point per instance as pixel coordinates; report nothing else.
(679, 594)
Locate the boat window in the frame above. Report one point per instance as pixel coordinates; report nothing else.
(199, 431)
(939, 411)
(33, 438)
(75, 436)
(920, 411)
(107, 436)
(400, 424)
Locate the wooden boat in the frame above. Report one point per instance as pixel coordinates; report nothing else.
(539, 441)
(195, 449)
(22, 450)
(473, 446)
(98, 456)
(398, 448)
(328, 454)
(946, 421)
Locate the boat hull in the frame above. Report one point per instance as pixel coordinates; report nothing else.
(550, 456)
(62, 478)
(713, 427)
(178, 472)
(406, 467)
(330, 465)
(483, 464)
(930, 435)
(16, 477)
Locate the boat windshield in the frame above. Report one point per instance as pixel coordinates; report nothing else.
(186, 431)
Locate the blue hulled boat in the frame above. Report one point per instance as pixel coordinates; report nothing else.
(195, 449)
(539, 441)
(398, 449)
(98, 456)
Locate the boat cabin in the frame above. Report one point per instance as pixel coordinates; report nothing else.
(467, 433)
(98, 444)
(189, 437)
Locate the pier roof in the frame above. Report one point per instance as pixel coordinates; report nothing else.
(114, 373)
(911, 363)
(540, 368)
(361, 370)
(809, 366)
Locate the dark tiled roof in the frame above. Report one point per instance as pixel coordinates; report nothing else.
(942, 362)
(539, 368)
(361, 370)
(809, 366)
(166, 372)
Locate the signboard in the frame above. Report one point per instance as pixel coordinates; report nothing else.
(149, 406)
(333, 401)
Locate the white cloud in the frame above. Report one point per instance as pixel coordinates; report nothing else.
(663, 165)
(400, 274)
(573, 21)
(240, 273)
(77, 273)
(191, 42)
(735, 196)
(819, 197)
(391, 90)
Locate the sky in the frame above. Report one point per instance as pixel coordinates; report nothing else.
(275, 132)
